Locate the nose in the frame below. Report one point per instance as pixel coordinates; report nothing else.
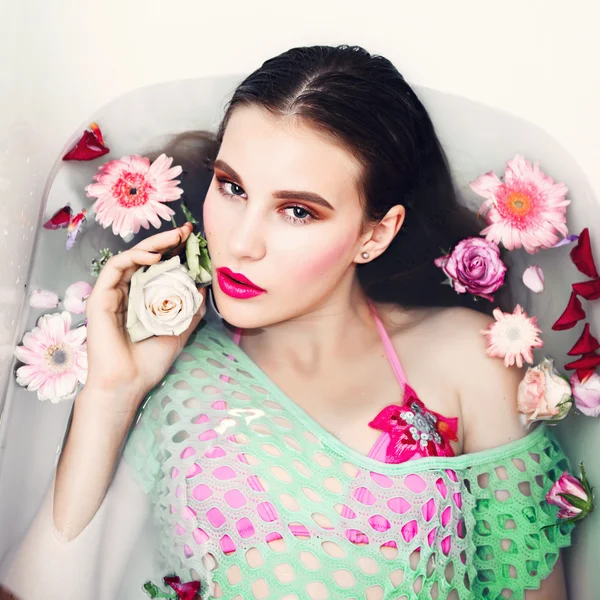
(247, 237)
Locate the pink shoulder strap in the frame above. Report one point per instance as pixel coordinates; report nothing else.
(389, 348)
(237, 336)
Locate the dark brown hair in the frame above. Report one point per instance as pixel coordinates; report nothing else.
(363, 103)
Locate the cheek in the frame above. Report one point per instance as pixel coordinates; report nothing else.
(329, 259)
(212, 218)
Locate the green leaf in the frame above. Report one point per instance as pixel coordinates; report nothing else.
(186, 211)
(198, 262)
(99, 262)
(575, 501)
(152, 590)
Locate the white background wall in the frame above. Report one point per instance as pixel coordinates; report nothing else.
(61, 60)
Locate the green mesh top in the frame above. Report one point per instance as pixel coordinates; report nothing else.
(256, 499)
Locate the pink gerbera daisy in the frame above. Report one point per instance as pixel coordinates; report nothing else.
(526, 210)
(55, 357)
(513, 337)
(132, 193)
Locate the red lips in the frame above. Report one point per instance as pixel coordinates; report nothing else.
(239, 277)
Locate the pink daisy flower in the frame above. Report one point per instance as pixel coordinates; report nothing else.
(526, 210)
(131, 193)
(55, 357)
(513, 337)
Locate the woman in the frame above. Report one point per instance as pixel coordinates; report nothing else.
(342, 433)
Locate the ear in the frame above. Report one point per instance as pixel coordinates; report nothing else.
(378, 238)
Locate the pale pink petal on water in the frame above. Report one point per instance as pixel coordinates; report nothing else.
(485, 185)
(26, 355)
(43, 299)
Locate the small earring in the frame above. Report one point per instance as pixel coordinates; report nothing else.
(365, 255)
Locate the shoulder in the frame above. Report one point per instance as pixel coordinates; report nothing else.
(486, 388)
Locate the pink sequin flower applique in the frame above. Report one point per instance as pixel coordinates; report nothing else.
(415, 431)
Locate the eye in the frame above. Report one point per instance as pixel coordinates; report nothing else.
(234, 191)
(299, 214)
(295, 213)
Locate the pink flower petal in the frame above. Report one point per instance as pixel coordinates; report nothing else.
(56, 357)
(587, 394)
(43, 299)
(533, 278)
(527, 210)
(28, 356)
(130, 193)
(75, 297)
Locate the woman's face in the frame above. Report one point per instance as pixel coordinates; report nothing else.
(283, 211)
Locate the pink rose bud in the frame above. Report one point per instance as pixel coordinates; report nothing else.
(573, 496)
(474, 266)
(76, 296)
(543, 394)
(533, 278)
(43, 299)
(587, 394)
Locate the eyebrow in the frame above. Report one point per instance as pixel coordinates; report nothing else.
(282, 194)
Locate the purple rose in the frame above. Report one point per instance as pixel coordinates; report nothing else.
(474, 266)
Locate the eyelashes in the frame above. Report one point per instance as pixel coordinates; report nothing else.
(307, 215)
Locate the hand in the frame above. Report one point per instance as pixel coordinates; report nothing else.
(115, 364)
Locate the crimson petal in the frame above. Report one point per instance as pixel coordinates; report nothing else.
(590, 290)
(585, 374)
(582, 256)
(61, 218)
(90, 146)
(186, 591)
(573, 313)
(585, 344)
(587, 361)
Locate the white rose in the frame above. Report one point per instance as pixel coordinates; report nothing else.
(543, 394)
(163, 300)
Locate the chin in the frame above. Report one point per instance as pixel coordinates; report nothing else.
(247, 314)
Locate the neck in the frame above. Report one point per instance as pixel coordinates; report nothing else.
(334, 330)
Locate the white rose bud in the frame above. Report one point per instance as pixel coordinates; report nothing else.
(163, 300)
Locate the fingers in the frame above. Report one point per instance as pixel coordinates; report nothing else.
(121, 267)
(166, 239)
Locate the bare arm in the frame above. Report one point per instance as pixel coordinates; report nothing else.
(488, 396)
(66, 535)
(61, 554)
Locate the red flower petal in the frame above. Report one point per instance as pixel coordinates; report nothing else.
(587, 361)
(582, 256)
(185, 591)
(573, 313)
(585, 374)
(96, 131)
(61, 218)
(590, 290)
(585, 344)
(90, 146)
